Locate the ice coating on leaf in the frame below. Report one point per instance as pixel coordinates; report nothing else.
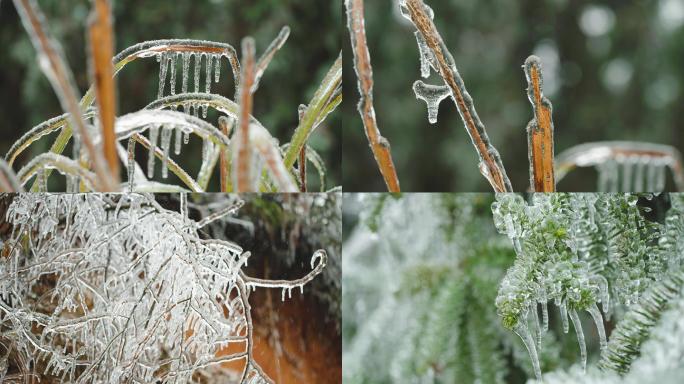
(432, 95)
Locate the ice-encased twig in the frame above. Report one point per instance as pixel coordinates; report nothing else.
(320, 255)
(242, 151)
(607, 156)
(490, 162)
(539, 130)
(54, 66)
(362, 65)
(102, 77)
(301, 161)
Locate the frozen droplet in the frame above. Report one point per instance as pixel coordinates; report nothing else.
(580, 338)
(166, 146)
(523, 331)
(154, 133)
(432, 95)
(598, 321)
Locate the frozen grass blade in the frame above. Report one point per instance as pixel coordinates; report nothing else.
(102, 72)
(539, 130)
(302, 155)
(362, 64)
(327, 97)
(226, 125)
(63, 164)
(268, 54)
(242, 152)
(491, 166)
(55, 68)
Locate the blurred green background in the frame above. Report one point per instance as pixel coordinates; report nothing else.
(291, 79)
(612, 70)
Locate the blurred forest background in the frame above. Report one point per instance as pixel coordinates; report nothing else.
(612, 70)
(291, 79)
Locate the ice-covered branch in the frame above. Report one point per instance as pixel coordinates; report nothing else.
(441, 59)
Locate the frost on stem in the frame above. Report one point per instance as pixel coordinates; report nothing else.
(134, 292)
(625, 166)
(490, 162)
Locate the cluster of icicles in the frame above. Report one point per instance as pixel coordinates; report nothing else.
(633, 173)
(533, 344)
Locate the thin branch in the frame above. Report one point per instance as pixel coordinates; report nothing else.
(243, 151)
(61, 78)
(491, 166)
(102, 70)
(539, 130)
(302, 155)
(362, 64)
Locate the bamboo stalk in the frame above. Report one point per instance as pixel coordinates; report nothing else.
(61, 79)
(102, 51)
(379, 145)
(539, 130)
(243, 150)
(490, 162)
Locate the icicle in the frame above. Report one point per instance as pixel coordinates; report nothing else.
(198, 65)
(580, 338)
(524, 333)
(432, 95)
(186, 137)
(535, 322)
(186, 70)
(282, 295)
(162, 74)
(651, 176)
(564, 316)
(660, 178)
(131, 164)
(173, 58)
(166, 146)
(598, 320)
(545, 316)
(627, 175)
(217, 69)
(602, 177)
(177, 144)
(639, 177)
(154, 133)
(301, 289)
(209, 66)
(206, 151)
(289, 293)
(427, 59)
(205, 108)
